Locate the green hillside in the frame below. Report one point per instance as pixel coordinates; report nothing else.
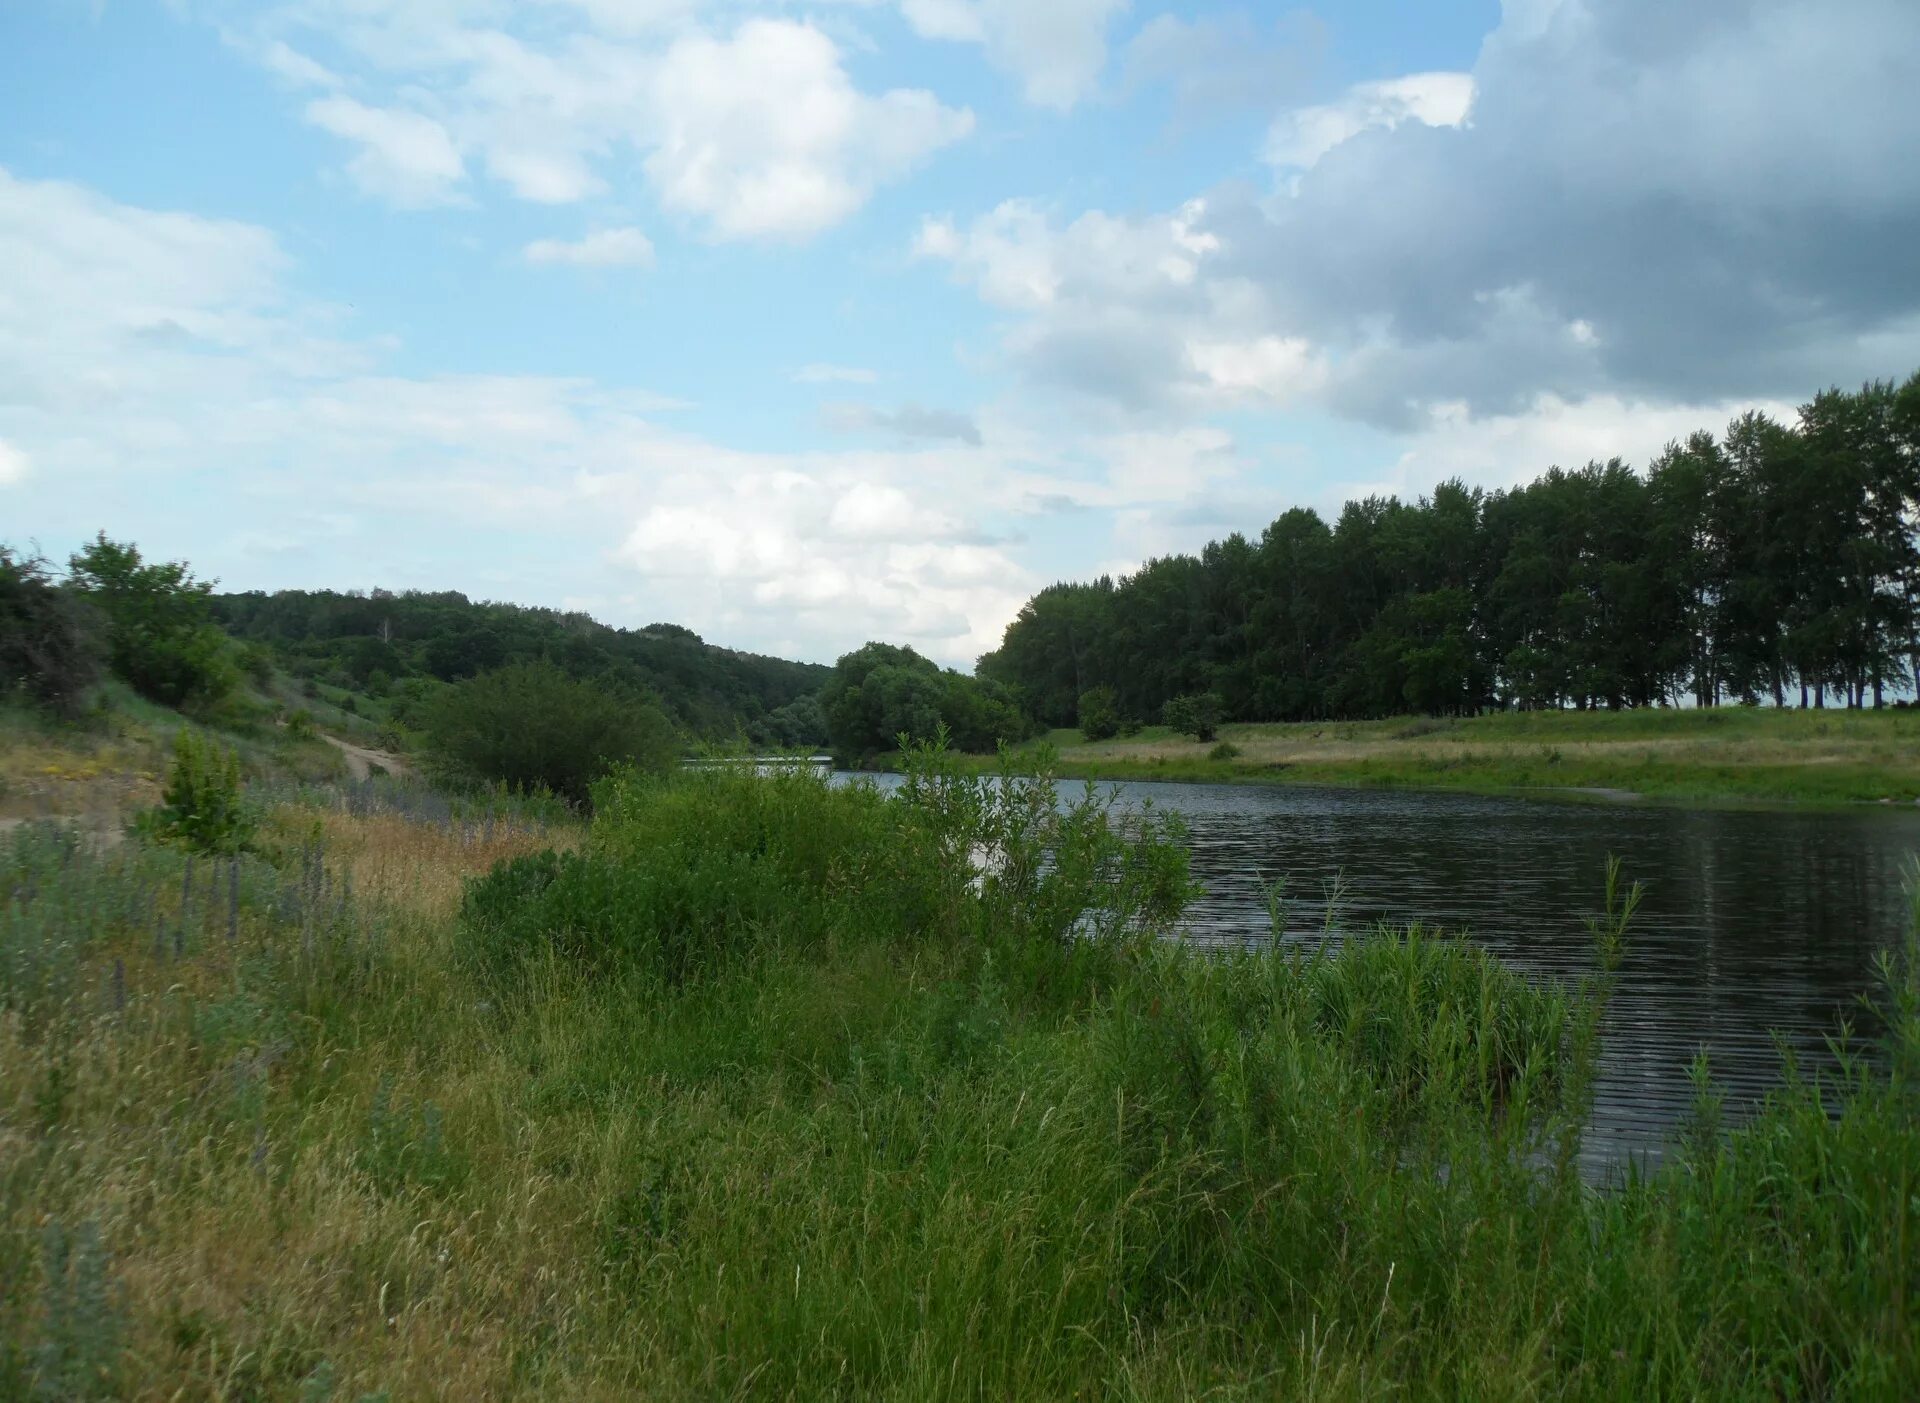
(391, 648)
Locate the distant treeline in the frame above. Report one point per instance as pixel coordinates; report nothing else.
(380, 639)
(1778, 562)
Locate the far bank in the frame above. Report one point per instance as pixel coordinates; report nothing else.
(1723, 755)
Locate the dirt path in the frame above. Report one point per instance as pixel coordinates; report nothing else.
(361, 761)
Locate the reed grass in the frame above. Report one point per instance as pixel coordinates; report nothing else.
(960, 1116)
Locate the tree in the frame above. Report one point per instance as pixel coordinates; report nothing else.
(880, 692)
(1735, 567)
(531, 726)
(1099, 713)
(1197, 715)
(160, 636)
(49, 651)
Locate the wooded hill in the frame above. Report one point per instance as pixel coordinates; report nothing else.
(1777, 562)
(377, 641)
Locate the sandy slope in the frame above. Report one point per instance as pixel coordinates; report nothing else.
(361, 761)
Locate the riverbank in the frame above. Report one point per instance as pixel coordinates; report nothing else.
(1726, 755)
(756, 1087)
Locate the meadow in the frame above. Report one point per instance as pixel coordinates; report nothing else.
(755, 1087)
(1732, 755)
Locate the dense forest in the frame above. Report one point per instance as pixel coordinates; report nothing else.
(1776, 563)
(380, 640)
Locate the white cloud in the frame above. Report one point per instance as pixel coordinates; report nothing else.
(1504, 450)
(296, 68)
(603, 248)
(819, 373)
(1278, 368)
(754, 131)
(764, 134)
(1056, 48)
(1132, 312)
(405, 157)
(13, 463)
(1298, 139)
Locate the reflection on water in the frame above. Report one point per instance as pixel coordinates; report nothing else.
(1752, 922)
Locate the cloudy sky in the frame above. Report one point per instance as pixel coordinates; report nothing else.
(808, 323)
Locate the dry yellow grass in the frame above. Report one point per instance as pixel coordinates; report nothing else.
(410, 865)
(229, 1157)
(96, 781)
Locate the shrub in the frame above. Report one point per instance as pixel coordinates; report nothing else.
(1225, 750)
(202, 808)
(48, 650)
(1198, 715)
(685, 875)
(1099, 713)
(257, 663)
(160, 637)
(531, 726)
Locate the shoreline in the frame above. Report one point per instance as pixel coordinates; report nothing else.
(1730, 758)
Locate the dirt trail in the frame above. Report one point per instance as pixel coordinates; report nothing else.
(362, 761)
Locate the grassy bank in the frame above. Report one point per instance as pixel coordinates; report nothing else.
(1723, 755)
(759, 1089)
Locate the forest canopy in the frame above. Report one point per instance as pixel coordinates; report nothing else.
(1776, 562)
(382, 638)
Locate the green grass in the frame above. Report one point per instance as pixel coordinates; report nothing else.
(1721, 755)
(781, 1094)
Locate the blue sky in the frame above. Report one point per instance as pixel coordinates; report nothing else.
(804, 324)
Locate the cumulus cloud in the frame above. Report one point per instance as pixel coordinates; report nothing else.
(763, 133)
(755, 130)
(603, 248)
(405, 157)
(1057, 49)
(1300, 138)
(1130, 312)
(1685, 204)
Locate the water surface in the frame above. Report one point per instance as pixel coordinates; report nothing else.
(1753, 922)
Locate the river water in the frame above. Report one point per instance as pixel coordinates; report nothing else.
(1754, 924)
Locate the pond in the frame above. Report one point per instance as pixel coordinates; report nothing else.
(1753, 923)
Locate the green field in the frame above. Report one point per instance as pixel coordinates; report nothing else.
(1723, 755)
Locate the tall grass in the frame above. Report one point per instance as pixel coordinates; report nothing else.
(761, 1088)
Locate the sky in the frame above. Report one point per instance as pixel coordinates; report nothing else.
(804, 324)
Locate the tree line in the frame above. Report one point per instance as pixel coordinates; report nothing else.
(384, 640)
(1777, 562)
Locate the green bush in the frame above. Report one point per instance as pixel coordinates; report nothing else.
(684, 875)
(1198, 715)
(533, 727)
(202, 808)
(1225, 750)
(160, 637)
(48, 650)
(1100, 713)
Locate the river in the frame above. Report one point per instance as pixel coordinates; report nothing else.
(1753, 923)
